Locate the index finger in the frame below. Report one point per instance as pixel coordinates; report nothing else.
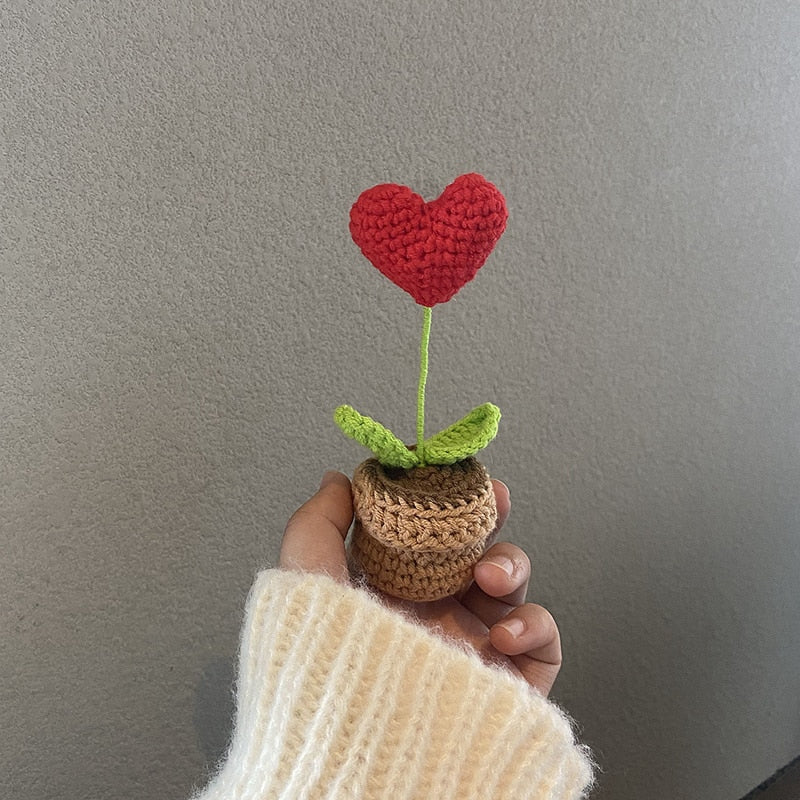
(314, 537)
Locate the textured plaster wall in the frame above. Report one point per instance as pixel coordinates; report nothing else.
(181, 308)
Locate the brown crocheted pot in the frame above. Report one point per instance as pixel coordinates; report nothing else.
(419, 532)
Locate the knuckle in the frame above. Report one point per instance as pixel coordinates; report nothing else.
(299, 517)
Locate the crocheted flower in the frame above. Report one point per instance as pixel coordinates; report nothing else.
(430, 250)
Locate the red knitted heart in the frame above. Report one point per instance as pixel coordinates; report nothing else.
(430, 250)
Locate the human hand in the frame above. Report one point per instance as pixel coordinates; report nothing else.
(491, 614)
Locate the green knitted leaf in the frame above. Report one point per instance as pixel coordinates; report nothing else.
(464, 438)
(388, 449)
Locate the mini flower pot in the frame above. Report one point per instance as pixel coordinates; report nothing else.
(419, 532)
(425, 514)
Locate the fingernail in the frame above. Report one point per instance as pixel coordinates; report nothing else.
(515, 626)
(330, 476)
(504, 484)
(505, 564)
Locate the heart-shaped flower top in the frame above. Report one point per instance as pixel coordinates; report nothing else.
(430, 250)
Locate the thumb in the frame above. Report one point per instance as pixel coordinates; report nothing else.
(314, 537)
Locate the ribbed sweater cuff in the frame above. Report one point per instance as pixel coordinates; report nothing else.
(340, 697)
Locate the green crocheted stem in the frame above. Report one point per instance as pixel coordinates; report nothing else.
(461, 440)
(423, 377)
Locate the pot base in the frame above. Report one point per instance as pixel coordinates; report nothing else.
(418, 533)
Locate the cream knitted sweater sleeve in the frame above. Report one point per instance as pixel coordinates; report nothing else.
(342, 698)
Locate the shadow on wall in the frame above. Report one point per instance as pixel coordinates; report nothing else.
(215, 706)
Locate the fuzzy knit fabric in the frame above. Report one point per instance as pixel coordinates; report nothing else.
(418, 533)
(341, 698)
(430, 250)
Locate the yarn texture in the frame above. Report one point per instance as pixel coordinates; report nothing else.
(341, 698)
(418, 533)
(429, 250)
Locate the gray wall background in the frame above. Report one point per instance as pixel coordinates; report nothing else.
(181, 308)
